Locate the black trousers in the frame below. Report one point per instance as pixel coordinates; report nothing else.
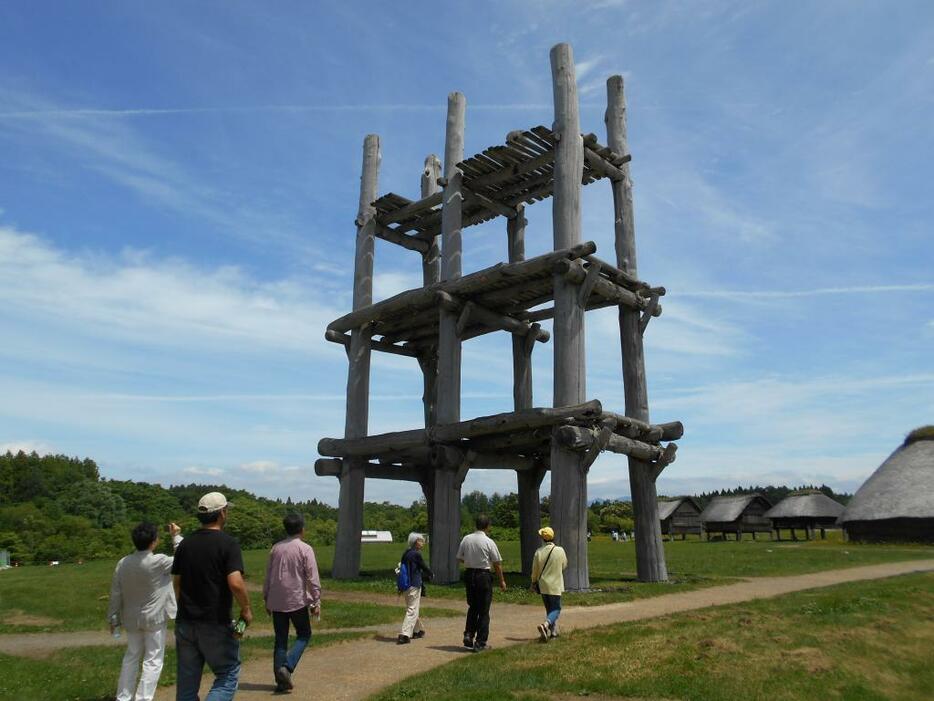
(479, 585)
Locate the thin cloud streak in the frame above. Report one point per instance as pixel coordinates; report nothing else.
(784, 294)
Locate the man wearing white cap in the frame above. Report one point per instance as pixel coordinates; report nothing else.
(548, 567)
(208, 575)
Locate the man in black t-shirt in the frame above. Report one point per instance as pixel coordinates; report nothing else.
(208, 575)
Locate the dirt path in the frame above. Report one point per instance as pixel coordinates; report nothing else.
(356, 669)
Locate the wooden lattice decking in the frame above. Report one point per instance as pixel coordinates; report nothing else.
(494, 182)
(430, 324)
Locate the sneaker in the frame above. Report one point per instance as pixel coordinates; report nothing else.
(403, 640)
(284, 678)
(554, 631)
(480, 647)
(419, 634)
(468, 642)
(544, 632)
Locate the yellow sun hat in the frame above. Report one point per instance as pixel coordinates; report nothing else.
(547, 533)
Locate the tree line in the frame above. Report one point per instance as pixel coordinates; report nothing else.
(55, 507)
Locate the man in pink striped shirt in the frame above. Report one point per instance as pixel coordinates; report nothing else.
(291, 591)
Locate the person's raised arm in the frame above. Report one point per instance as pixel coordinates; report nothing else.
(238, 589)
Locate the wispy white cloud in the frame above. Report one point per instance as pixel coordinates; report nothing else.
(814, 292)
(159, 301)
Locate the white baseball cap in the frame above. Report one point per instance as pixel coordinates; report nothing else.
(211, 502)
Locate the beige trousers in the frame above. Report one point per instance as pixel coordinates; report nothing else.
(412, 624)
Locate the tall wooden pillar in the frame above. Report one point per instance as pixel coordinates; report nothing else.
(431, 273)
(350, 510)
(568, 475)
(528, 481)
(650, 553)
(446, 522)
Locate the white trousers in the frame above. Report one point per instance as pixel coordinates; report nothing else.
(148, 645)
(412, 623)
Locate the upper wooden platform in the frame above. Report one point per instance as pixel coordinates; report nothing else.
(494, 183)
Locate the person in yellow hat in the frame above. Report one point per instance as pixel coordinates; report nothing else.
(548, 567)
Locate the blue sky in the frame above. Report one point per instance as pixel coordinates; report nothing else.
(178, 183)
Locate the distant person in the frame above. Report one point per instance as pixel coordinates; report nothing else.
(548, 565)
(142, 602)
(418, 571)
(478, 553)
(208, 575)
(292, 592)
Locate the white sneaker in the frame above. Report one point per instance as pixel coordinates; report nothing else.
(543, 632)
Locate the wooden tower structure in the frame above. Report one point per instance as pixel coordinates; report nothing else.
(430, 323)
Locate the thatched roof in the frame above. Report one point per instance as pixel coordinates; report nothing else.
(809, 505)
(730, 508)
(666, 507)
(902, 487)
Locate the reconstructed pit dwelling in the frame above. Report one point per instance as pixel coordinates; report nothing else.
(430, 323)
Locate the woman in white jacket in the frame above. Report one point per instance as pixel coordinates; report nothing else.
(142, 602)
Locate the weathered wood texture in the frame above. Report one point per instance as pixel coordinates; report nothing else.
(568, 476)
(495, 182)
(528, 483)
(350, 509)
(445, 526)
(431, 275)
(512, 422)
(650, 554)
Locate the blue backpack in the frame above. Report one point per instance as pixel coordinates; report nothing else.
(403, 581)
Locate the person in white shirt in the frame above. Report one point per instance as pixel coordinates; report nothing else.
(142, 602)
(478, 553)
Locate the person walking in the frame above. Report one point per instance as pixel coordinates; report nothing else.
(418, 573)
(548, 565)
(142, 602)
(208, 575)
(292, 592)
(478, 553)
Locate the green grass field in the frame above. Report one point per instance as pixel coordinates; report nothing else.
(867, 641)
(74, 597)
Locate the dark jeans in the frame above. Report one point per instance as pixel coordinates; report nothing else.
(197, 642)
(552, 608)
(479, 585)
(283, 656)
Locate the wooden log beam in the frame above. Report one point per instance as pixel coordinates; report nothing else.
(529, 483)
(593, 275)
(601, 440)
(344, 340)
(618, 276)
(330, 467)
(492, 205)
(410, 242)
(574, 273)
(470, 284)
(601, 165)
(515, 421)
(580, 438)
(650, 554)
(350, 502)
(515, 171)
(430, 201)
(634, 428)
(648, 313)
(518, 442)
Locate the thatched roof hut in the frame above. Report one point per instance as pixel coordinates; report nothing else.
(679, 516)
(808, 509)
(739, 514)
(896, 503)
